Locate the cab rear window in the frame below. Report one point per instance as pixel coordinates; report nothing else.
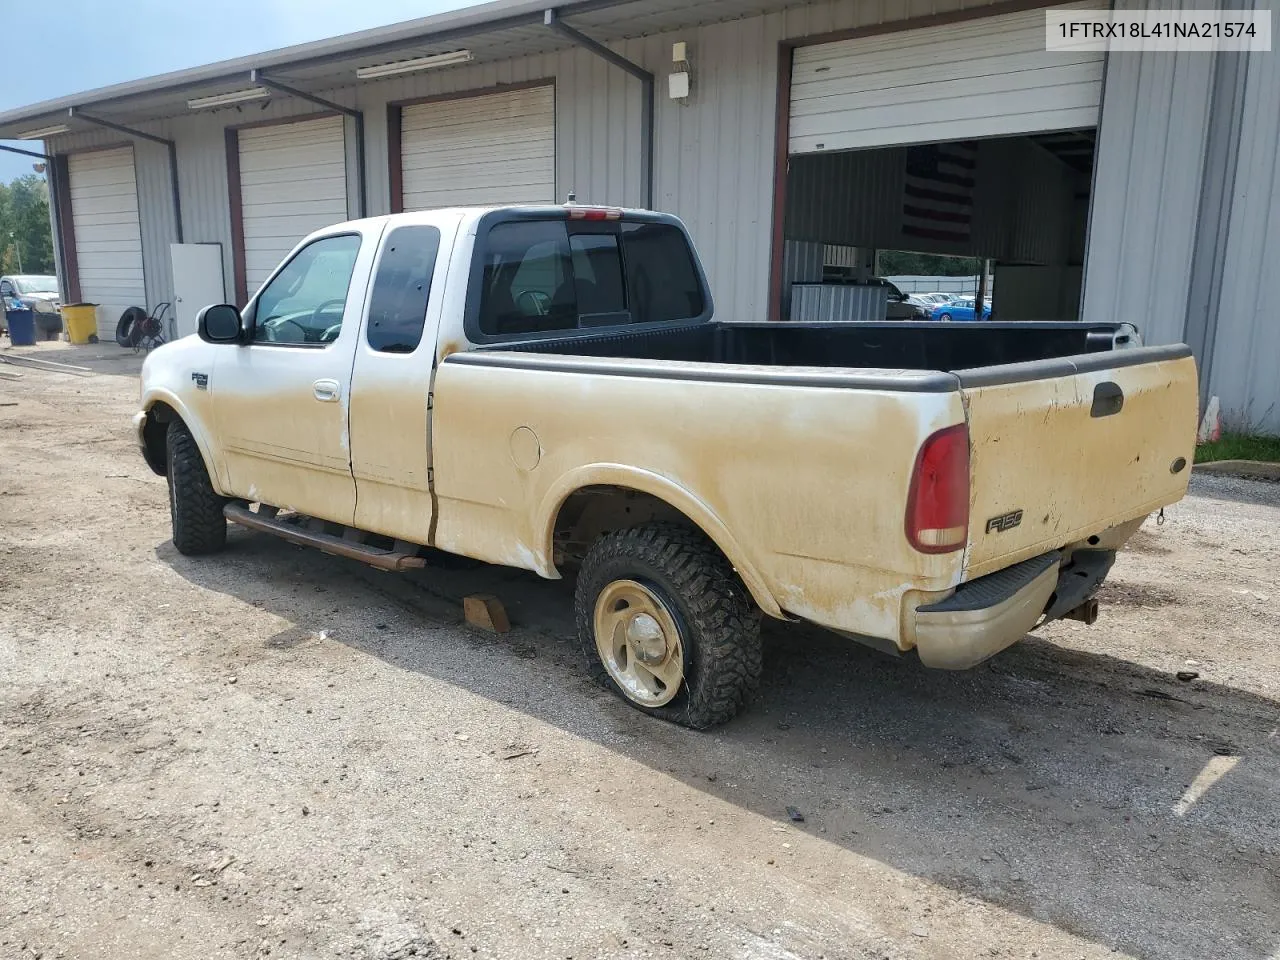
(552, 275)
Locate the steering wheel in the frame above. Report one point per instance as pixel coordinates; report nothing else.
(272, 324)
(331, 334)
(539, 301)
(318, 311)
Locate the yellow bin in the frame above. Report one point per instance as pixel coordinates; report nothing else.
(81, 321)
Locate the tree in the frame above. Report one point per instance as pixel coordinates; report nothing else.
(25, 237)
(902, 263)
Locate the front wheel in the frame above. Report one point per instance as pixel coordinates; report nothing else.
(665, 623)
(194, 507)
(945, 318)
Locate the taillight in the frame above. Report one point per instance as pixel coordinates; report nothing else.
(938, 504)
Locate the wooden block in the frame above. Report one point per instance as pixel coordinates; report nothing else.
(486, 612)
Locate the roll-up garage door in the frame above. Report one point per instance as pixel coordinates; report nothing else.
(293, 180)
(493, 149)
(980, 78)
(104, 214)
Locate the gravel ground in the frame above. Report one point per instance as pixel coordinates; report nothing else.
(274, 752)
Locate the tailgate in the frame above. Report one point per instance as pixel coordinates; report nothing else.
(1062, 449)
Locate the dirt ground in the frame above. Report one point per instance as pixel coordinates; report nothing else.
(275, 752)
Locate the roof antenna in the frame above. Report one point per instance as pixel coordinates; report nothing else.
(573, 197)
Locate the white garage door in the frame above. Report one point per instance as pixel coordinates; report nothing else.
(494, 149)
(988, 77)
(104, 214)
(293, 180)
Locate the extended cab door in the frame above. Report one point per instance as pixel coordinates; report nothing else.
(391, 381)
(281, 399)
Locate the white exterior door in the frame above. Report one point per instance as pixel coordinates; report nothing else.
(197, 282)
(499, 148)
(104, 214)
(293, 180)
(987, 77)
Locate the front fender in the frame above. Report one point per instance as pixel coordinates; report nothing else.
(196, 424)
(644, 481)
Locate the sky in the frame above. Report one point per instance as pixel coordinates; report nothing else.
(92, 43)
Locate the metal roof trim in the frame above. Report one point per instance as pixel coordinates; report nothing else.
(486, 17)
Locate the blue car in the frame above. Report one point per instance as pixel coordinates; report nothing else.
(960, 309)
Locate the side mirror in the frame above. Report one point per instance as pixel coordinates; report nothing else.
(220, 323)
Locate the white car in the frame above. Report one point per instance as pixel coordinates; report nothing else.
(934, 299)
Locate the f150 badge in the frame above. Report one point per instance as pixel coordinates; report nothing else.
(1006, 521)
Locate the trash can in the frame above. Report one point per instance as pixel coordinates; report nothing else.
(81, 321)
(22, 327)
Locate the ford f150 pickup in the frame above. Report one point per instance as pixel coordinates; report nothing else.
(547, 388)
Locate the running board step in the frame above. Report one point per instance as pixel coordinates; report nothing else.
(395, 560)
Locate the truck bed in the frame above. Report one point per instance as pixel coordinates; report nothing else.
(888, 345)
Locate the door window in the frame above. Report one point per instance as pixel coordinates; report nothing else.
(303, 303)
(401, 288)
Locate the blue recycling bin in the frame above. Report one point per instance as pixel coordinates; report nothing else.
(22, 327)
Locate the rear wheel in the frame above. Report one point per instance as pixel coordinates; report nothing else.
(664, 622)
(194, 508)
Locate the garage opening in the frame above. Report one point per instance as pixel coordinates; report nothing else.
(875, 234)
(936, 164)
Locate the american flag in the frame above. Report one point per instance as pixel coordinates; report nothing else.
(937, 197)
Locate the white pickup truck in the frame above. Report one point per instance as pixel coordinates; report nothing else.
(547, 388)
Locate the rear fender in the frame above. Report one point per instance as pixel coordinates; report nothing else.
(642, 481)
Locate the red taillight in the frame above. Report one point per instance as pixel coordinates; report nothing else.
(938, 504)
(595, 213)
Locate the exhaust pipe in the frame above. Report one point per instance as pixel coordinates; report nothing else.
(1087, 612)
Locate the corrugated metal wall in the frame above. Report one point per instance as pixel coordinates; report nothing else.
(1147, 184)
(1246, 348)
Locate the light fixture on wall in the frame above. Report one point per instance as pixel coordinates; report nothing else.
(227, 99)
(43, 132)
(397, 67)
(680, 81)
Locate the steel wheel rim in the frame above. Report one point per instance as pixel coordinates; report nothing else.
(639, 643)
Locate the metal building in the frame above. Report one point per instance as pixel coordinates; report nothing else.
(790, 136)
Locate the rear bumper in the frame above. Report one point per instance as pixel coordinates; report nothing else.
(986, 615)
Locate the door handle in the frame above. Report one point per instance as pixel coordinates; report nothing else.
(326, 391)
(1108, 400)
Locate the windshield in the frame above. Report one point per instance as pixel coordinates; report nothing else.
(28, 285)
